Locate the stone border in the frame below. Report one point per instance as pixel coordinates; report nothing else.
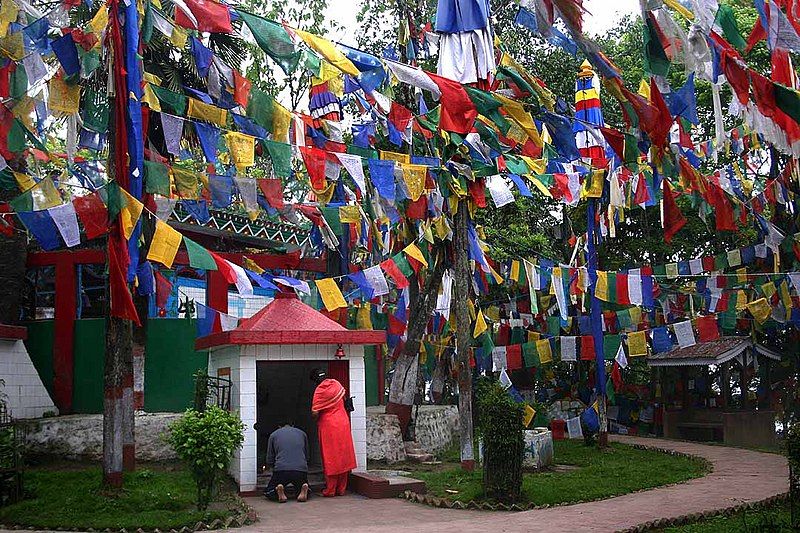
(435, 501)
(245, 516)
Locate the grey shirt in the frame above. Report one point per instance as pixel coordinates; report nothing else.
(287, 449)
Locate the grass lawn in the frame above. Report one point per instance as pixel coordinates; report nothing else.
(774, 520)
(69, 496)
(582, 474)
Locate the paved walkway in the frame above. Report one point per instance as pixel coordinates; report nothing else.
(738, 476)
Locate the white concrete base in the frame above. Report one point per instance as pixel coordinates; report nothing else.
(26, 395)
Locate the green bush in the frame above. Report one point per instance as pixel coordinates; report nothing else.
(206, 441)
(500, 428)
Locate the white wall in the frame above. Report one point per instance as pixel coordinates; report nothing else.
(27, 396)
(244, 466)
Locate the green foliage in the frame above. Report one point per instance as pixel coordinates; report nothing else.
(70, 499)
(500, 428)
(774, 520)
(598, 474)
(206, 442)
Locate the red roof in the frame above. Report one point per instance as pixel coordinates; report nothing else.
(13, 333)
(287, 320)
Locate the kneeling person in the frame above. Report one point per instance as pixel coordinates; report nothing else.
(287, 456)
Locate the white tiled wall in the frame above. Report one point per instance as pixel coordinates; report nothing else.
(243, 373)
(27, 397)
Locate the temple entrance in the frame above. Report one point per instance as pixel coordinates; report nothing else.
(283, 393)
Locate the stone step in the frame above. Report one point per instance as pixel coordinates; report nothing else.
(419, 457)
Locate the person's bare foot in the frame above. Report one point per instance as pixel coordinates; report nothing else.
(303, 496)
(281, 493)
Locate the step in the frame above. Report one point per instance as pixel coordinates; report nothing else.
(419, 457)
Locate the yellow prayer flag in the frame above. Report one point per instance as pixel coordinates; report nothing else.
(515, 270)
(8, 14)
(396, 156)
(281, 120)
(324, 195)
(522, 117)
(741, 300)
(593, 186)
(329, 51)
(471, 307)
(760, 309)
(741, 275)
(768, 289)
(242, 148)
(330, 293)
(207, 112)
(166, 241)
(527, 417)
(179, 37)
(637, 343)
(129, 213)
(12, 46)
(185, 183)
(364, 317)
(636, 315)
(545, 353)
(45, 194)
(24, 181)
(644, 89)
(349, 214)
(497, 277)
(534, 336)
(149, 97)
(441, 227)
(480, 326)
(671, 270)
(493, 313)
(64, 97)
(414, 178)
(674, 4)
(99, 22)
(249, 264)
(601, 289)
(414, 252)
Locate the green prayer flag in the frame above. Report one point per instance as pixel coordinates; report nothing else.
(281, 155)
(530, 355)
(655, 58)
(261, 108)
(516, 165)
(518, 335)
(16, 137)
(624, 318)
(95, 111)
(721, 261)
(274, 40)
(18, 84)
(366, 153)
(489, 107)
(199, 256)
(331, 215)
(112, 197)
(727, 21)
(23, 202)
(610, 346)
(403, 264)
(156, 178)
(554, 325)
(175, 103)
(788, 101)
(488, 345)
(610, 392)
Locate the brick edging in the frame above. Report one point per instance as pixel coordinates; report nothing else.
(435, 501)
(242, 518)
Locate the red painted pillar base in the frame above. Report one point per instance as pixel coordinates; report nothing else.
(403, 413)
(468, 466)
(129, 457)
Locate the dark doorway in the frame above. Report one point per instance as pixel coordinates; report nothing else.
(283, 393)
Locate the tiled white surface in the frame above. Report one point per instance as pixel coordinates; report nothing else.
(27, 396)
(242, 361)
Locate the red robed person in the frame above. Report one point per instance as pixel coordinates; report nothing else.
(333, 428)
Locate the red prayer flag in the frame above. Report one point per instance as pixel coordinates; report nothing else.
(391, 269)
(458, 113)
(314, 159)
(622, 290)
(92, 213)
(224, 268)
(660, 130)
(163, 290)
(587, 348)
(707, 328)
(211, 16)
(241, 89)
(478, 191)
(121, 300)
(273, 192)
(514, 357)
(673, 218)
(737, 76)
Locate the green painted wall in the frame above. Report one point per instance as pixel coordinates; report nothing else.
(371, 369)
(169, 365)
(40, 347)
(87, 380)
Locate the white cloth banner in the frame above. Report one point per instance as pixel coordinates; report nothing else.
(684, 333)
(574, 428)
(498, 188)
(695, 266)
(635, 286)
(569, 349)
(67, 223)
(243, 284)
(444, 298)
(164, 207)
(377, 281)
(228, 322)
(355, 168)
(499, 358)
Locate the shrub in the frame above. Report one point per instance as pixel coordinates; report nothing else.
(500, 428)
(793, 455)
(206, 441)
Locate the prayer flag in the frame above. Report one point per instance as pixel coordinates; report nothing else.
(66, 220)
(203, 15)
(544, 351)
(274, 40)
(480, 325)
(684, 333)
(165, 244)
(330, 293)
(760, 309)
(92, 213)
(637, 343)
(199, 257)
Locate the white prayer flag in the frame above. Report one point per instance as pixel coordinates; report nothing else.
(684, 333)
(620, 358)
(243, 284)
(443, 300)
(228, 322)
(696, 266)
(248, 190)
(505, 381)
(355, 168)
(569, 349)
(574, 428)
(164, 207)
(376, 280)
(635, 286)
(499, 358)
(67, 223)
(761, 250)
(561, 295)
(498, 188)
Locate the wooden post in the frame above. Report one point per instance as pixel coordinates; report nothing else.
(118, 340)
(463, 334)
(744, 382)
(725, 383)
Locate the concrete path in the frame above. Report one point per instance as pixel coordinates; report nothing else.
(738, 476)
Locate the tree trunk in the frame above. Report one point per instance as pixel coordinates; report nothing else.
(404, 381)
(118, 342)
(463, 334)
(12, 275)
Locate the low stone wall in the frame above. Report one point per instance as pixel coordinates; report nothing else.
(81, 436)
(436, 428)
